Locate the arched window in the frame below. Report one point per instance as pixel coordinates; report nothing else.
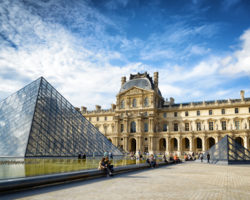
(146, 101)
(134, 103)
(133, 127)
(122, 103)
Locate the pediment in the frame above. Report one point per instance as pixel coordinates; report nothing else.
(134, 91)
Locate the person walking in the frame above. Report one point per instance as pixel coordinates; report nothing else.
(201, 157)
(208, 157)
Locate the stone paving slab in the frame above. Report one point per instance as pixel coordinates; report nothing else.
(188, 181)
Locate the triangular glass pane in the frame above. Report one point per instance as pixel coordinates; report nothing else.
(16, 113)
(58, 129)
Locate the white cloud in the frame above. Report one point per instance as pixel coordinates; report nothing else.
(206, 79)
(239, 62)
(79, 67)
(48, 49)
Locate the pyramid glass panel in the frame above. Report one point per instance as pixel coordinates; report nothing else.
(237, 152)
(16, 113)
(218, 152)
(58, 129)
(38, 121)
(228, 151)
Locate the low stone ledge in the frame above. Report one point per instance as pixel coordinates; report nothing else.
(34, 181)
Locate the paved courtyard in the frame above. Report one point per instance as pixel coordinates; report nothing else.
(192, 181)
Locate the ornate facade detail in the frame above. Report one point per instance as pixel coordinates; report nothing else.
(162, 126)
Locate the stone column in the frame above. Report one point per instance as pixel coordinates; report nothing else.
(116, 126)
(191, 143)
(179, 145)
(216, 138)
(246, 141)
(125, 143)
(115, 141)
(151, 144)
(151, 125)
(203, 143)
(167, 144)
(125, 126)
(139, 125)
(138, 144)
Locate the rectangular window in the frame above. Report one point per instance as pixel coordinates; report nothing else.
(236, 110)
(122, 128)
(249, 109)
(175, 126)
(198, 126)
(90, 119)
(175, 114)
(145, 127)
(105, 118)
(165, 127)
(211, 126)
(237, 125)
(210, 112)
(164, 115)
(223, 111)
(186, 126)
(198, 113)
(186, 113)
(97, 118)
(224, 125)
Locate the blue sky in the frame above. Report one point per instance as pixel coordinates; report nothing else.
(201, 48)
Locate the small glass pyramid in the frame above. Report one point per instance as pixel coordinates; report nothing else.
(228, 151)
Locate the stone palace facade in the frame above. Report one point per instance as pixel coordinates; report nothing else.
(143, 121)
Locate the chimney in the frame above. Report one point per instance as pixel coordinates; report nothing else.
(97, 107)
(156, 76)
(113, 106)
(242, 95)
(78, 109)
(83, 109)
(171, 101)
(123, 80)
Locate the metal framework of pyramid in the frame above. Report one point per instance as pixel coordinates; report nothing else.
(37, 121)
(228, 151)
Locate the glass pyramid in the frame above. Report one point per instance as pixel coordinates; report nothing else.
(228, 151)
(38, 121)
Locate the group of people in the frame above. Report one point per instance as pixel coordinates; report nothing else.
(189, 157)
(151, 161)
(81, 156)
(106, 166)
(201, 157)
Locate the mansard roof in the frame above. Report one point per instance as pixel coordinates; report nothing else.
(140, 80)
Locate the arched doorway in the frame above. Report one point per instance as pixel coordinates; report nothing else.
(185, 144)
(133, 145)
(210, 142)
(173, 144)
(197, 144)
(162, 145)
(239, 141)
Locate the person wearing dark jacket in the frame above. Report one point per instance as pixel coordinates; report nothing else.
(208, 157)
